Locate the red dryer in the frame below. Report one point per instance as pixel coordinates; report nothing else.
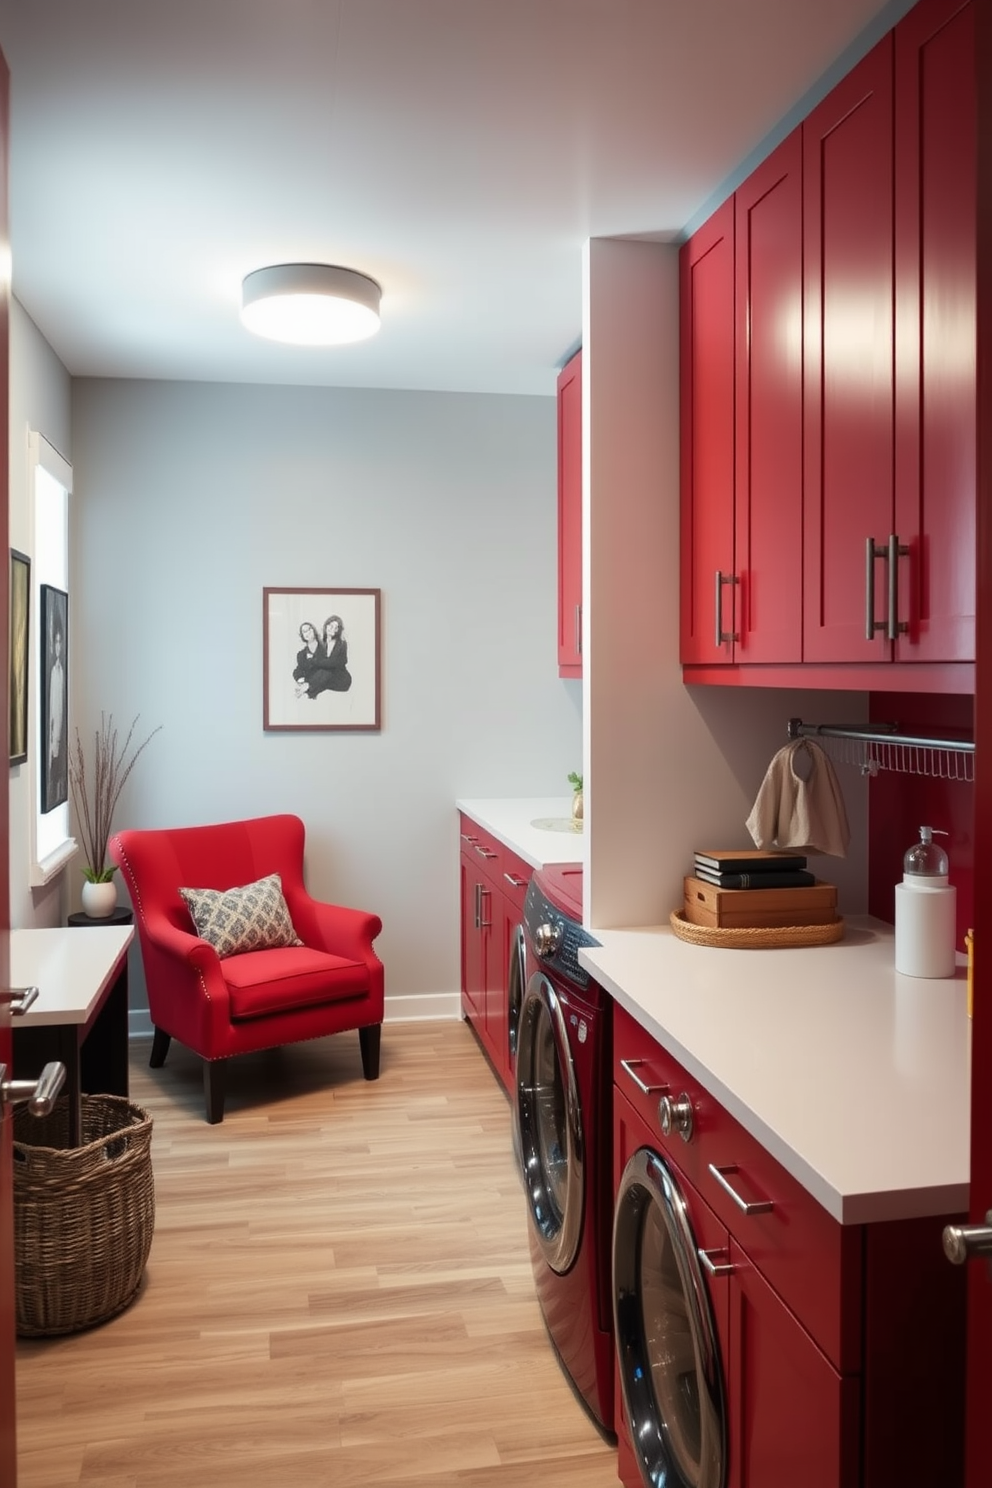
(563, 1136)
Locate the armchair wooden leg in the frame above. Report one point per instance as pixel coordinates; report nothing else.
(370, 1039)
(160, 1047)
(213, 1089)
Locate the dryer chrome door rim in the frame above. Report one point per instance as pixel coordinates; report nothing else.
(516, 982)
(549, 1125)
(666, 1337)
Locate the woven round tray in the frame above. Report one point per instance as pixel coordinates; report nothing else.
(83, 1216)
(740, 939)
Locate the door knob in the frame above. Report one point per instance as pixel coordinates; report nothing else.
(676, 1116)
(39, 1094)
(965, 1242)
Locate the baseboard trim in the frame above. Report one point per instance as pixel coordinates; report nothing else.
(424, 1007)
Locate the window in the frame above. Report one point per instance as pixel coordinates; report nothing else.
(51, 486)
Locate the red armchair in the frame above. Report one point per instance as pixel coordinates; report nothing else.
(261, 998)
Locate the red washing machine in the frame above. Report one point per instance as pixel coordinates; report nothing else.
(563, 1137)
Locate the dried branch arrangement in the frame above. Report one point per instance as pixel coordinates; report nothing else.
(95, 798)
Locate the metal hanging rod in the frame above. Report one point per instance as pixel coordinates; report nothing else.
(881, 746)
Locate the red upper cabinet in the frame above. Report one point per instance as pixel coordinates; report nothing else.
(935, 248)
(570, 518)
(769, 409)
(849, 383)
(708, 575)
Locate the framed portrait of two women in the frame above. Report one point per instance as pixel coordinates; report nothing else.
(321, 654)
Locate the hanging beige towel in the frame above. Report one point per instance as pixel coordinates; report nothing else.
(793, 811)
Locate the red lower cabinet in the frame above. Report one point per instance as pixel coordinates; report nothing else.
(493, 885)
(836, 1349)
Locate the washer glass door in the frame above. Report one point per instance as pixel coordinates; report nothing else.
(666, 1337)
(549, 1125)
(516, 982)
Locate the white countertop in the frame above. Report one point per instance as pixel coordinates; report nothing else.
(70, 967)
(511, 821)
(855, 1078)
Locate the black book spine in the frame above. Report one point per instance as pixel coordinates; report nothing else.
(797, 880)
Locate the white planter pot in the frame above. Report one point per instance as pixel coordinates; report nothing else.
(99, 899)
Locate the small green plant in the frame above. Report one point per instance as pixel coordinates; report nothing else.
(575, 781)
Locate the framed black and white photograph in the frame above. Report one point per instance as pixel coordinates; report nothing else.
(321, 659)
(54, 679)
(20, 616)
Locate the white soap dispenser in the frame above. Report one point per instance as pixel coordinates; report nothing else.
(926, 905)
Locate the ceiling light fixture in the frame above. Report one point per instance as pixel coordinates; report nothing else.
(310, 304)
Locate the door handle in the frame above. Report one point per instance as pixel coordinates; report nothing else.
(19, 999)
(630, 1066)
(716, 1267)
(896, 550)
(721, 634)
(873, 550)
(578, 630)
(965, 1242)
(753, 1206)
(38, 1094)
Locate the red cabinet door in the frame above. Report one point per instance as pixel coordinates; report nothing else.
(793, 1418)
(707, 602)
(848, 360)
(473, 1004)
(769, 412)
(570, 518)
(935, 265)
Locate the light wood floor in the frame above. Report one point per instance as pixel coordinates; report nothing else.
(339, 1292)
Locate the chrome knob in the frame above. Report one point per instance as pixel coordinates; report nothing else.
(547, 939)
(39, 1094)
(676, 1116)
(964, 1242)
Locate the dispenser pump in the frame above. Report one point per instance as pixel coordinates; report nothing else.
(925, 864)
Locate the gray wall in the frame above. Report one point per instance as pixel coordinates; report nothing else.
(189, 499)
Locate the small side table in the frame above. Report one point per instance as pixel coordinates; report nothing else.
(120, 916)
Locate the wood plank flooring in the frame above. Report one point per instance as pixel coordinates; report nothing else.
(339, 1292)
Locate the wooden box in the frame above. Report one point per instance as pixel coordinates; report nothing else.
(705, 904)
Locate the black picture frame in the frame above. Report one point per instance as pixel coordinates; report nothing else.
(54, 689)
(341, 689)
(19, 655)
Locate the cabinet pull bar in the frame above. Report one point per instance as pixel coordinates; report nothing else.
(478, 910)
(755, 1206)
(578, 630)
(721, 634)
(630, 1067)
(515, 883)
(467, 837)
(715, 1268)
(484, 893)
(484, 851)
(895, 551)
(873, 550)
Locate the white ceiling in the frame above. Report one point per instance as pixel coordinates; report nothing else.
(459, 151)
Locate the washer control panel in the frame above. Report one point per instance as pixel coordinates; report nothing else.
(556, 938)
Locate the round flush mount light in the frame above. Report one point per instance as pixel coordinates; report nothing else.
(310, 304)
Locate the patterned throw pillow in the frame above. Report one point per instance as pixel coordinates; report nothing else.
(253, 918)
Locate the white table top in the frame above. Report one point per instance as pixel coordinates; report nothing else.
(855, 1078)
(511, 821)
(70, 967)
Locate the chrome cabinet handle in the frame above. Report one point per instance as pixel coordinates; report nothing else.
(467, 837)
(715, 1268)
(478, 909)
(578, 630)
(630, 1067)
(722, 635)
(19, 999)
(484, 851)
(896, 550)
(676, 1116)
(757, 1206)
(873, 550)
(484, 893)
(39, 1095)
(515, 883)
(965, 1242)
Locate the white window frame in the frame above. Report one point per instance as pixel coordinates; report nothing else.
(52, 846)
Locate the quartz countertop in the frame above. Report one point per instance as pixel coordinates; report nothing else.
(855, 1078)
(512, 822)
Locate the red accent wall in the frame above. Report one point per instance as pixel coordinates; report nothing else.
(898, 805)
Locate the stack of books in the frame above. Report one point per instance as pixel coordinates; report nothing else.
(755, 889)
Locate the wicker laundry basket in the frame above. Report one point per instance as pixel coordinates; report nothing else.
(83, 1216)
